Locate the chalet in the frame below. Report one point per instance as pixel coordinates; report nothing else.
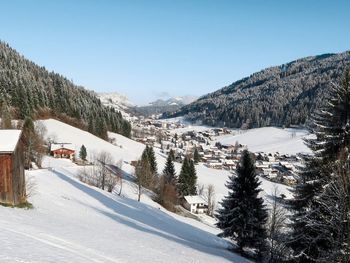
(62, 150)
(195, 204)
(12, 180)
(230, 164)
(214, 164)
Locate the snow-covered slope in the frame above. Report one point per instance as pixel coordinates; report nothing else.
(73, 222)
(129, 150)
(270, 139)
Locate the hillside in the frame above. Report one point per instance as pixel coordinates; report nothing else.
(80, 223)
(128, 150)
(31, 90)
(73, 222)
(277, 96)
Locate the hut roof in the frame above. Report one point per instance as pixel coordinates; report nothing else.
(9, 140)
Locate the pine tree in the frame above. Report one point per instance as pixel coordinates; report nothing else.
(243, 215)
(196, 156)
(82, 153)
(183, 178)
(172, 155)
(5, 116)
(192, 180)
(169, 171)
(331, 126)
(187, 178)
(152, 159)
(148, 156)
(167, 192)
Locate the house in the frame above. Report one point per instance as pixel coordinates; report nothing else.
(195, 204)
(12, 180)
(62, 150)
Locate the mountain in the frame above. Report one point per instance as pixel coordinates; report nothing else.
(117, 101)
(277, 96)
(27, 89)
(179, 101)
(164, 106)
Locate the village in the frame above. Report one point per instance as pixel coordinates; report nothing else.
(203, 145)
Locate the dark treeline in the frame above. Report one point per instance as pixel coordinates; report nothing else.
(30, 90)
(278, 96)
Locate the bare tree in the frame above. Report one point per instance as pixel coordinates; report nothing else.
(143, 174)
(275, 226)
(119, 182)
(104, 158)
(200, 189)
(30, 187)
(209, 196)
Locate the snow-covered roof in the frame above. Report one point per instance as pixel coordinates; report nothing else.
(195, 199)
(56, 146)
(9, 140)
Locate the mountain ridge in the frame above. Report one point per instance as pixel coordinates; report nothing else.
(281, 95)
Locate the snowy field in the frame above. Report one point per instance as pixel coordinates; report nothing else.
(269, 140)
(73, 222)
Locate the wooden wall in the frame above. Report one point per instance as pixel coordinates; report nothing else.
(6, 193)
(12, 180)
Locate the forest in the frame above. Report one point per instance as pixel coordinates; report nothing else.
(28, 90)
(281, 96)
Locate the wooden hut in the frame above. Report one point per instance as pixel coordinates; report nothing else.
(12, 180)
(62, 150)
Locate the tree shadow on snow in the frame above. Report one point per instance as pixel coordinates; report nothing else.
(153, 221)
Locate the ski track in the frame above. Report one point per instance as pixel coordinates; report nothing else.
(87, 254)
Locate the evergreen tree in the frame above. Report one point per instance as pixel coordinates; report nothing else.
(192, 180)
(331, 126)
(187, 178)
(196, 156)
(169, 171)
(151, 159)
(82, 153)
(172, 155)
(183, 178)
(5, 116)
(243, 215)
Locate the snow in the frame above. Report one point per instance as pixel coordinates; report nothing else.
(74, 222)
(9, 140)
(129, 150)
(269, 140)
(118, 101)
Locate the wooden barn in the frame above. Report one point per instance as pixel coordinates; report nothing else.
(12, 180)
(62, 150)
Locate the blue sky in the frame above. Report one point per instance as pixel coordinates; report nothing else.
(150, 49)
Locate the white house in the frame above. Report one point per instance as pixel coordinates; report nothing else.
(195, 204)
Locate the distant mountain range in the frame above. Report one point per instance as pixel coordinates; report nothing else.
(179, 101)
(126, 107)
(277, 96)
(117, 101)
(161, 106)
